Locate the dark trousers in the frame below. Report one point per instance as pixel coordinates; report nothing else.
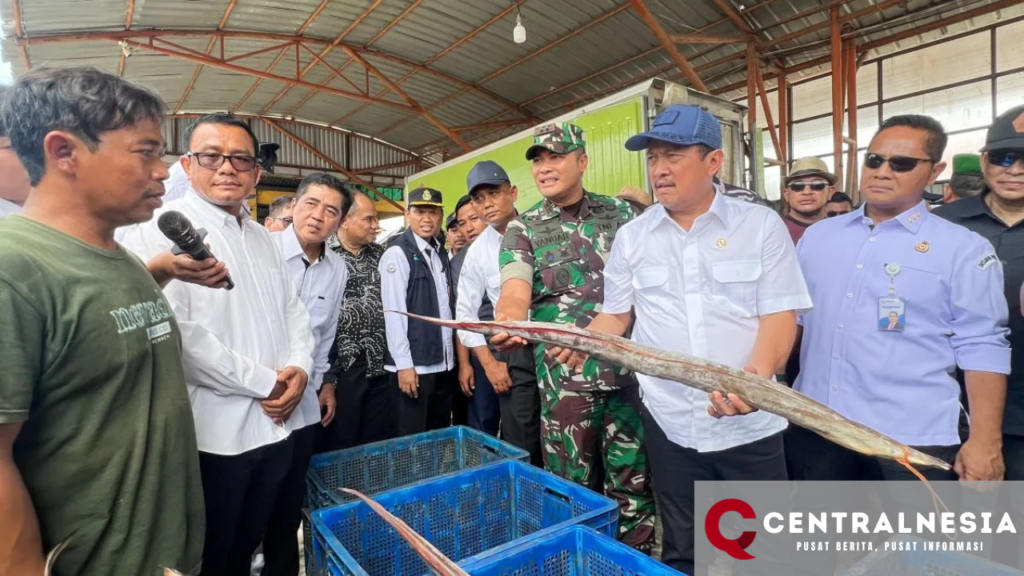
(461, 404)
(520, 406)
(813, 458)
(364, 410)
(431, 409)
(239, 492)
(675, 469)
(484, 410)
(280, 547)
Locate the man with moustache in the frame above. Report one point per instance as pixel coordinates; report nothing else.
(808, 188)
(247, 353)
(416, 278)
(97, 443)
(456, 240)
(998, 215)
(552, 270)
(511, 375)
(14, 186)
(320, 275)
(709, 276)
(363, 411)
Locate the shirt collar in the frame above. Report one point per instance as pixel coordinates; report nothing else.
(911, 219)
(421, 243)
(291, 245)
(551, 210)
(211, 211)
(719, 208)
(974, 206)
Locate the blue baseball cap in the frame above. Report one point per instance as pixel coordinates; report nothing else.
(681, 124)
(486, 172)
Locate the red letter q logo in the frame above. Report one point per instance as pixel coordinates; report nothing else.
(735, 548)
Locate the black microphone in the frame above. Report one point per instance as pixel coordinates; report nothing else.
(187, 240)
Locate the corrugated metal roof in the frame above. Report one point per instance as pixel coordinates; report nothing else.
(575, 52)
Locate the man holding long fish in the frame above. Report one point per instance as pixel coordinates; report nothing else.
(552, 260)
(710, 276)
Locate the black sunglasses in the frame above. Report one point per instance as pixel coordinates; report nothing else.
(799, 186)
(834, 213)
(897, 163)
(1005, 158)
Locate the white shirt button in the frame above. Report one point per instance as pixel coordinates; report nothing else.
(872, 239)
(860, 266)
(840, 327)
(849, 294)
(835, 388)
(835, 356)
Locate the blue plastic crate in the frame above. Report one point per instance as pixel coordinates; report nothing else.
(388, 464)
(462, 514)
(401, 462)
(570, 551)
(925, 563)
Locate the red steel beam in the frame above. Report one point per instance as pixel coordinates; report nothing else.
(751, 87)
(730, 13)
(19, 31)
(195, 75)
(667, 45)
(127, 26)
(208, 61)
(316, 14)
(257, 52)
(313, 150)
(705, 39)
(967, 15)
(404, 96)
(783, 122)
(433, 59)
(323, 53)
(256, 84)
(837, 95)
(394, 22)
(380, 169)
(772, 132)
(851, 106)
(501, 71)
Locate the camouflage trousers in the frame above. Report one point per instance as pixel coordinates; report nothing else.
(588, 432)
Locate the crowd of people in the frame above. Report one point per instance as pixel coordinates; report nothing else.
(161, 411)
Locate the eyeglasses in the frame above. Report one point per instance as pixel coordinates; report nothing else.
(212, 161)
(834, 213)
(816, 186)
(1005, 158)
(897, 163)
(285, 219)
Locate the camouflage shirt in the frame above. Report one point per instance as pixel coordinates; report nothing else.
(563, 258)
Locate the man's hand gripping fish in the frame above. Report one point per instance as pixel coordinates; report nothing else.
(708, 376)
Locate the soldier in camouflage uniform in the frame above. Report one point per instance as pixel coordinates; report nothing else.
(552, 261)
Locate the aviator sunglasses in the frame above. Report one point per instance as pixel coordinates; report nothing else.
(1005, 158)
(816, 186)
(897, 163)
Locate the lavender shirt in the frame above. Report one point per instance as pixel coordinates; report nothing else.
(900, 383)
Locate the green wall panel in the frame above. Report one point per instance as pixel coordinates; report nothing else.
(611, 165)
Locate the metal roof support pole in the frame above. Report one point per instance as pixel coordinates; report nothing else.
(852, 181)
(784, 122)
(768, 112)
(751, 91)
(837, 95)
(667, 45)
(312, 150)
(127, 26)
(19, 31)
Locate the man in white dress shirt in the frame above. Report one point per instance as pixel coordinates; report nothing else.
(247, 352)
(512, 373)
(319, 275)
(415, 277)
(712, 277)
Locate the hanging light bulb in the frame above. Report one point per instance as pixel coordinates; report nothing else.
(519, 32)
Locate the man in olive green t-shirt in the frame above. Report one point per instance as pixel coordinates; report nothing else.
(97, 441)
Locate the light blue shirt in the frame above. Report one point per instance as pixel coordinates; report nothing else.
(900, 383)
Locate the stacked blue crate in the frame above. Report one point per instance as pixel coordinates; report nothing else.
(396, 463)
(916, 561)
(464, 515)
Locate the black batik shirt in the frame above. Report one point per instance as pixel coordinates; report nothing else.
(975, 215)
(361, 325)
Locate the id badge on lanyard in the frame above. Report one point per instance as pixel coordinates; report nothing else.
(892, 309)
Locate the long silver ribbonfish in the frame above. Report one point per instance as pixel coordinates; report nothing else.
(709, 377)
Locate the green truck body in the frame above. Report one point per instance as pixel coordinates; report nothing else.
(607, 124)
